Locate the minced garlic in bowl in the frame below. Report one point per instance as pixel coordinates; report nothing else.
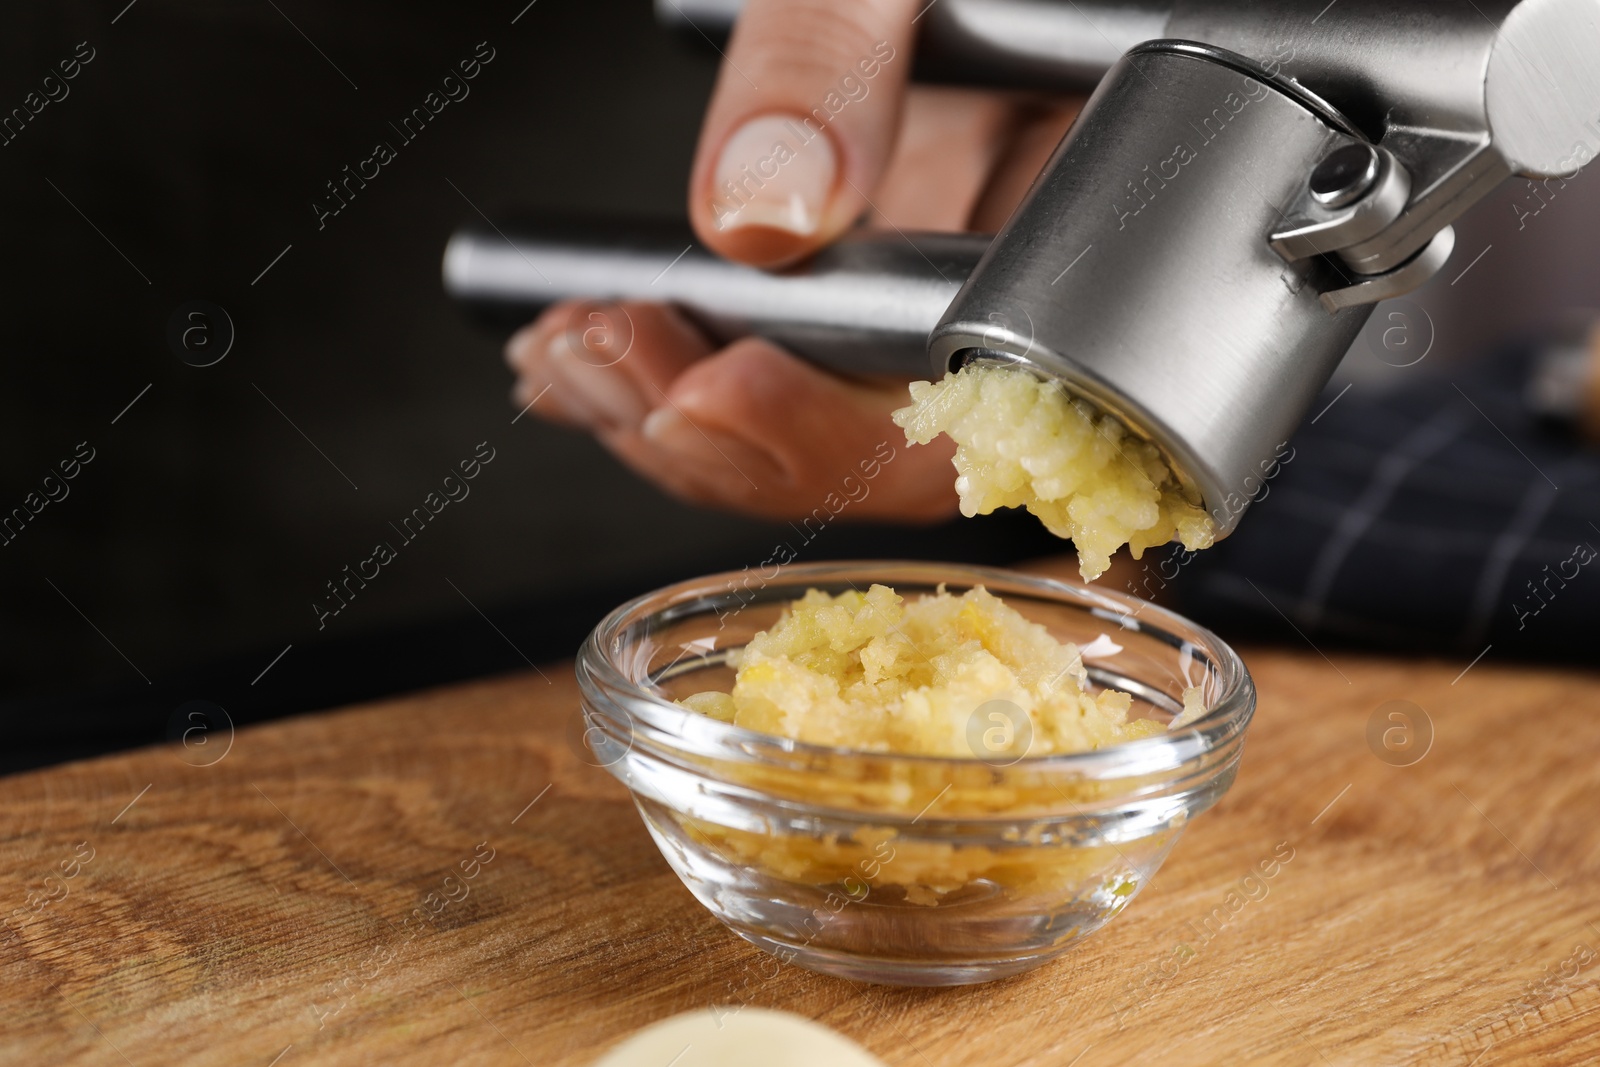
(874, 672)
(1024, 442)
(941, 675)
(914, 773)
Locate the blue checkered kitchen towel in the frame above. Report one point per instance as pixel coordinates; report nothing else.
(1442, 517)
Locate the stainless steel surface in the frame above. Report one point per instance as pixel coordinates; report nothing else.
(863, 306)
(1345, 175)
(1039, 44)
(1137, 271)
(1523, 73)
(1542, 86)
(1368, 290)
(1449, 183)
(1317, 228)
(1463, 92)
(1062, 45)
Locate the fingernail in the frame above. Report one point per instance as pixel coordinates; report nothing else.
(606, 394)
(667, 428)
(516, 350)
(776, 172)
(662, 426)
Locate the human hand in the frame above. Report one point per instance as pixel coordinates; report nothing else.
(811, 130)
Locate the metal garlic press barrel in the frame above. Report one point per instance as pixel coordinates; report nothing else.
(1135, 270)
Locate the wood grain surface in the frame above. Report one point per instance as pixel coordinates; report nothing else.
(442, 879)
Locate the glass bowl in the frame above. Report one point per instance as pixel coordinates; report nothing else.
(907, 870)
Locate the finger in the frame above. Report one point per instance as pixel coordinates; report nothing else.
(601, 366)
(800, 126)
(950, 140)
(1039, 129)
(757, 430)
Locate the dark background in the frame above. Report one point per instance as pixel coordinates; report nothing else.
(186, 157)
(195, 542)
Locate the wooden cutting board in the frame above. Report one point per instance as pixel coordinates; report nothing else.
(263, 909)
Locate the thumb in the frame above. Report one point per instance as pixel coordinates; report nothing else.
(801, 125)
